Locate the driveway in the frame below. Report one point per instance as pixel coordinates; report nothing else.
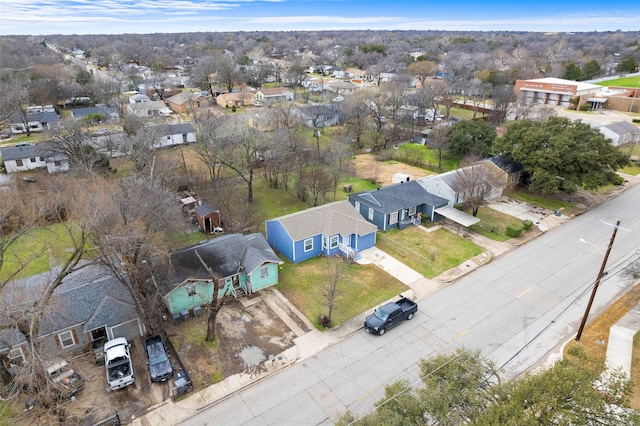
(522, 210)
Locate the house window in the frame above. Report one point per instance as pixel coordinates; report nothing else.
(32, 159)
(66, 339)
(191, 290)
(393, 218)
(358, 206)
(264, 272)
(57, 163)
(412, 211)
(19, 163)
(16, 356)
(308, 244)
(370, 213)
(333, 242)
(325, 242)
(41, 158)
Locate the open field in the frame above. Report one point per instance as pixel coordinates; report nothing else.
(632, 82)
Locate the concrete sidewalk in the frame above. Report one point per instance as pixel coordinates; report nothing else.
(309, 343)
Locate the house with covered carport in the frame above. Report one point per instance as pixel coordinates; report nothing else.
(397, 206)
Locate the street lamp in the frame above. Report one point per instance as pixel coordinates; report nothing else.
(582, 240)
(597, 283)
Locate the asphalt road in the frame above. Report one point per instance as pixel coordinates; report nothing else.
(518, 310)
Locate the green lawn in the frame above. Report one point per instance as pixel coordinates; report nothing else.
(540, 200)
(361, 286)
(421, 156)
(431, 253)
(38, 248)
(633, 81)
(633, 169)
(493, 224)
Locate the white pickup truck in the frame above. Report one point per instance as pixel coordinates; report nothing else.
(117, 359)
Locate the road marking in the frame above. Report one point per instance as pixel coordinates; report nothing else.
(575, 258)
(462, 333)
(368, 393)
(524, 292)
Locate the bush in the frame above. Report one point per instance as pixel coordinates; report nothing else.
(513, 231)
(617, 180)
(635, 120)
(526, 225)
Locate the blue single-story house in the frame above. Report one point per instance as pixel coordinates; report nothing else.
(328, 229)
(244, 264)
(396, 206)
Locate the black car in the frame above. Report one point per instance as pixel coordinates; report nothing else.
(160, 367)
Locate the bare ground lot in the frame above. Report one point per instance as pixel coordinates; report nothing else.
(367, 167)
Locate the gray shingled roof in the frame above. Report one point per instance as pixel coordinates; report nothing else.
(176, 129)
(623, 127)
(399, 196)
(27, 151)
(226, 255)
(184, 97)
(89, 296)
(205, 209)
(507, 166)
(339, 217)
(40, 117)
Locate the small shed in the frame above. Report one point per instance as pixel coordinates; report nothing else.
(208, 217)
(401, 177)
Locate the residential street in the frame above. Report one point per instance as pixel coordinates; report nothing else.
(518, 310)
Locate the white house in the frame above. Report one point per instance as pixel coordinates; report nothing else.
(24, 157)
(176, 134)
(149, 109)
(621, 133)
(274, 95)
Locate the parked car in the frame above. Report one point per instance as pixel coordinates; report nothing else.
(117, 359)
(160, 367)
(390, 315)
(65, 380)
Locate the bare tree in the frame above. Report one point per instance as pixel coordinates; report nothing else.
(216, 301)
(241, 150)
(356, 117)
(330, 290)
(226, 71)
(134, 240)
(78, 213)
(313, 183)
(73, 140)
(476, 181)
(422, 70)
(439, 139)
(203, 75)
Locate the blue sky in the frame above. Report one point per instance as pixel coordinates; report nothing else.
(41, 17)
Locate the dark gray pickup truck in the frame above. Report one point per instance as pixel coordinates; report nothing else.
(390, 315)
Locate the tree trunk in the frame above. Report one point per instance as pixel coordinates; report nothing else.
(250, 187)
(211, 325)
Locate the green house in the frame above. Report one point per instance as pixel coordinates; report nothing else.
(243, 264)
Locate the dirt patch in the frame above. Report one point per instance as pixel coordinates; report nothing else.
(367, 167)
(246, 333)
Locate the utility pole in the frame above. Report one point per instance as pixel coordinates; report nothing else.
(597, 283)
